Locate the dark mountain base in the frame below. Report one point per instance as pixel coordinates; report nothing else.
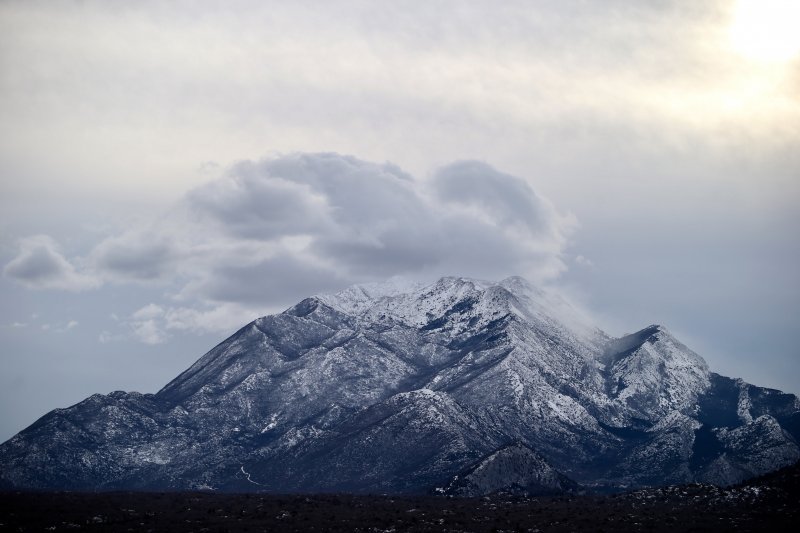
(769, 503)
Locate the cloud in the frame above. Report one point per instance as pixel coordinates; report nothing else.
(504, 200)
(271, 232)
(496, 224)
(72, 324)
(56, 328)
(106, 337)
(148, 332)
(145, 325)
(142, 256)
(148, 312)
(40, 265)
(219, 318)
(356, 220)
(279, 278)
(252, 207)
(154, 324)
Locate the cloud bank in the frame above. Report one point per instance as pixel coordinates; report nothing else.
(272, 231)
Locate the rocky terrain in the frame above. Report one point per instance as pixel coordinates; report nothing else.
(459, 387)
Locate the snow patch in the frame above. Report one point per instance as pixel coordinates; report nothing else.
(248, 477)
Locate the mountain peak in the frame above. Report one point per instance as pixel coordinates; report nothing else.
(518, 284)
(418, 304)
(653, 373)
(629, 342)
(401, 386)
(357, 298)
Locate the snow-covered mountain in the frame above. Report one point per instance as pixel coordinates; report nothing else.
(463, 386)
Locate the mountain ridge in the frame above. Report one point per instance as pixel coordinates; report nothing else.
(398, 387)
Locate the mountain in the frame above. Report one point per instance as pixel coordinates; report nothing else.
(393, 388)
(514, 469)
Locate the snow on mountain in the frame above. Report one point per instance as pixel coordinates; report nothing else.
(400, 387)
(652, 373)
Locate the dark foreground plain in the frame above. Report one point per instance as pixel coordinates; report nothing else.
(768, 503)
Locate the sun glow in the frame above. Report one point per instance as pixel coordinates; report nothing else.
(766, 30)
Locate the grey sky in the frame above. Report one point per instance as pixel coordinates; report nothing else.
(169, 171)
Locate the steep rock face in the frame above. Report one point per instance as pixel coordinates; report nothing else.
(398, 388)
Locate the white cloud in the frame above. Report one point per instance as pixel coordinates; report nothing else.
(106, 337)
(72, 324)
(56, 328)
(148, 312)
(39, 264)
(154, 324)
(148, 332)
(271, 232)
(145, 325)
(220, 318)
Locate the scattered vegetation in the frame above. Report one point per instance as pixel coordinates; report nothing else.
(771, 502)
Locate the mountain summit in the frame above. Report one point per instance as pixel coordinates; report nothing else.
(460, 386)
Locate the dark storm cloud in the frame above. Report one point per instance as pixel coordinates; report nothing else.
(358, 220)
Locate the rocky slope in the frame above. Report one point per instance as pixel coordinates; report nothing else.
(513, 470)
(390, 388)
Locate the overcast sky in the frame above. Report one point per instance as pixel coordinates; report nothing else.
(171, 170)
